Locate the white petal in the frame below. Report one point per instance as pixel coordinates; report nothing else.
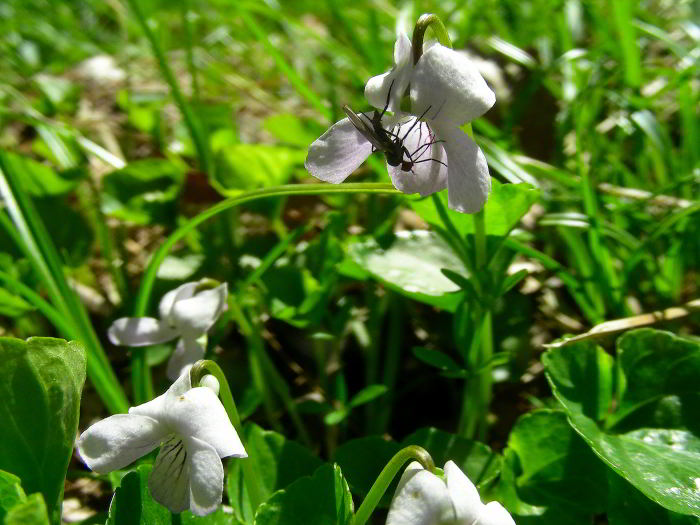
(139, 331)
(156, 408)
(337, 153)
(463, 493)
(186, 353)
(119, 440)
(428, 173)
(194, 316)
(421, 499)
(169, 481)
(206, 477)
(493, 513)
(468, 179)
(199, 413)
(184, 291)
(377, 88)
(449, 87)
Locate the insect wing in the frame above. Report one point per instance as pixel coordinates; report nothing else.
(365, 130)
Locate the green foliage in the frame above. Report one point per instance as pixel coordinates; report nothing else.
(321, 499)
(41, 381)
(649, 436)
(144, 192)
(278, 461)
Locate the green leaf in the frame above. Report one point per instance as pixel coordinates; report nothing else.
(556, 466)
(40, 180)
(68, 229)
(411, 266)
(323, 499)
(12, 305)
(11, 493)
(143, 192)
(656, 374)
(41, 381)
(289, 129)
(367, 394)
(436, 358)
(249, 166)
(506, 205)
(278, 460)
(31, 511)
(132, 503)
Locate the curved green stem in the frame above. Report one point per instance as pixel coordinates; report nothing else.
(424, 22)
(197, 372)
(387, 475)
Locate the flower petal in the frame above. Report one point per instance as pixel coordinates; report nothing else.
(493, 513)
(194, 316)
(184, 291)
(139, 331)
(377, 88)
(421, 499)
(428, 173)
(119, 440)
(199, 413)
(155, 408)
(337, 153)
(186, 353)
(463, 493)
(206, 477)
(449, 87)
(468, 179)
(169, 481)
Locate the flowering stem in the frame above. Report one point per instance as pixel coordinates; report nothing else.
(424, 22)
(197, 372)
(387, 475)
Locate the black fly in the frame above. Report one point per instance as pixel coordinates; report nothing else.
(386, 141)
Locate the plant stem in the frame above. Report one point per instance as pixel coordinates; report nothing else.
(387, 475)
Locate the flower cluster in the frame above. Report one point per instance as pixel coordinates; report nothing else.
(445, 91)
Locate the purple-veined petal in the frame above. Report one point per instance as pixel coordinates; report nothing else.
(195, 315)
(337, 153)
(206, 476)
(199, 413)
(139, 331)
(421, 498)
(468, 179)
(169, 481)
(428, 173)
(465, 498)
(448, 88)
(184, 291)
(377, 88)
(119, 440)
(187, 352)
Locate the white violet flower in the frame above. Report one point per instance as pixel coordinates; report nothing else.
(187, 312)
(422, 498)
(446, 91)
(194, 433)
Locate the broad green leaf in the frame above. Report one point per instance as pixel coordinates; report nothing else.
(506, 205)
(323, 499)
(279, 462)
(628, 506)
(144, 191)
(132, 504)
(585, 376)
(289, 129)
(41, 381)
(556, 466)
(68, 229)
(39, 179)
(658, 375)
(411, 266)
(31, 511)
(249, 166)
(11, 492)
